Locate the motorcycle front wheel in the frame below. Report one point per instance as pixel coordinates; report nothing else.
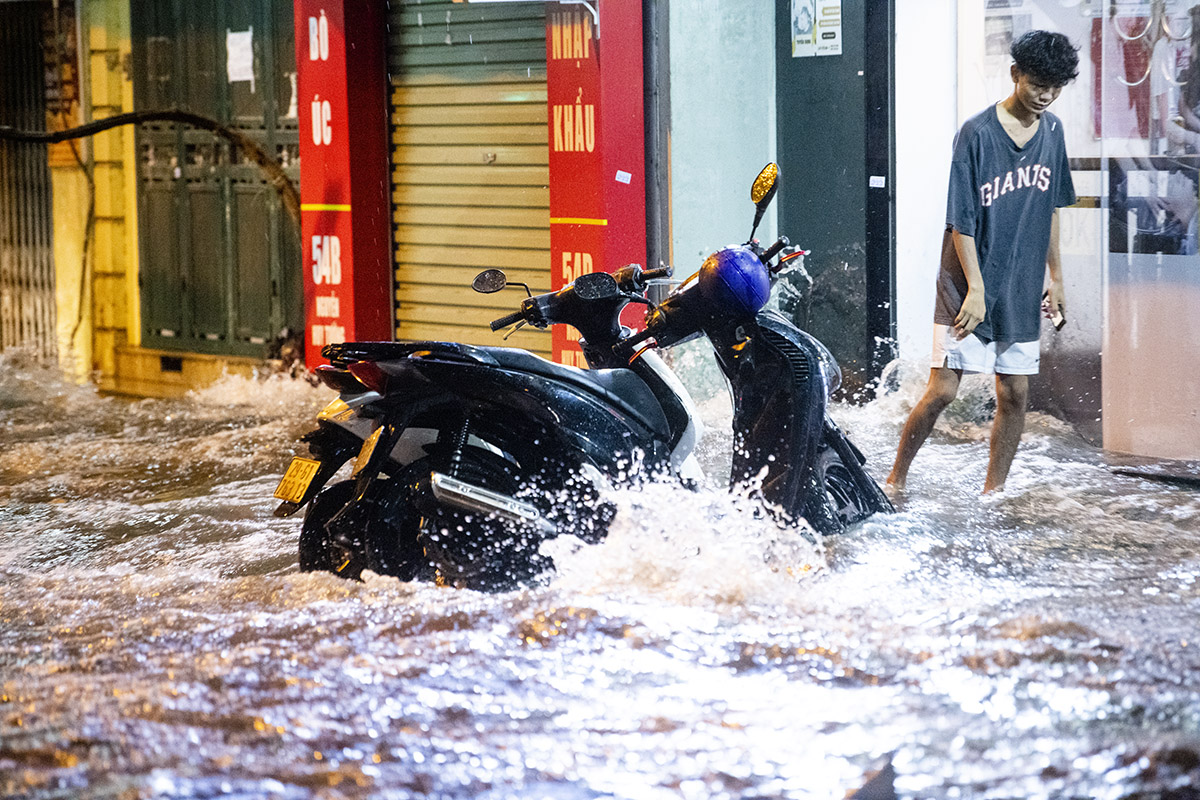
(851, 495)
(842, 495)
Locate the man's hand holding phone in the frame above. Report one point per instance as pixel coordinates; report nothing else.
(1054, 311)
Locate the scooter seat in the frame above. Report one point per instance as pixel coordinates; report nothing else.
(619, 387)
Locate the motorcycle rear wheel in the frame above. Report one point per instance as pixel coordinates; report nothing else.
(478, 551)
(381, 536)
(486, 552)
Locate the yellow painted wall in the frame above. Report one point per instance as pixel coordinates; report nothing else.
(69, 190)
(114, 302)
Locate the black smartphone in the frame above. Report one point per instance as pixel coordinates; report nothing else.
(1057, 317)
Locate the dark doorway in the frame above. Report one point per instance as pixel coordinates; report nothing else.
(837, 154)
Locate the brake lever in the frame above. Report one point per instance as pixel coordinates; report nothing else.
(637, 298)
(514, 329)
(785, 260)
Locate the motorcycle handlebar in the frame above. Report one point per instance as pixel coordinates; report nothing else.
(510, 319)
(548, 308)
(774, 249)
(632, 278)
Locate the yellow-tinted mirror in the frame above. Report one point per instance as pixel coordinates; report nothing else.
(764, 183)
(763, 192)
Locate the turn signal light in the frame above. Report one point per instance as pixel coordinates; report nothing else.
(369, 374)
(339, 380)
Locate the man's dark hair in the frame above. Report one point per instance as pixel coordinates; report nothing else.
(1049, 58)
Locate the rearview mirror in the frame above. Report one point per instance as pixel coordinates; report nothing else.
(764, 185)
(489, 281)
(763, 192)
(596, 286)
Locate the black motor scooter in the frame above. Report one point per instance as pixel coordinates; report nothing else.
(466, 458)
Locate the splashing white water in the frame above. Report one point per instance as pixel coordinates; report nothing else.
(705, 548)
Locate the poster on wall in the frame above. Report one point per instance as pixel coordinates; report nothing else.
(816, 28)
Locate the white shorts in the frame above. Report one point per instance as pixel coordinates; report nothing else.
(972, 354)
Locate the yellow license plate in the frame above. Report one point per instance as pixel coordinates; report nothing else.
(296, 480)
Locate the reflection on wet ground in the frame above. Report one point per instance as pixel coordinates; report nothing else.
(156, 639)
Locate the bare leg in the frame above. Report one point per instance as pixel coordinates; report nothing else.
(940, 391)
(1012, 394)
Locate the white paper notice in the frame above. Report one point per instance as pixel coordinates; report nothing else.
(816, 28)
(239, 45)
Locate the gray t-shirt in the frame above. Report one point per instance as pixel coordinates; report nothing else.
(1004, 197)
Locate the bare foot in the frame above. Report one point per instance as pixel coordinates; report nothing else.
(894, 490)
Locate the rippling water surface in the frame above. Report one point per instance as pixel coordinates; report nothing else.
(156, 639)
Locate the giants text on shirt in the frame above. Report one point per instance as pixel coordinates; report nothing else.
(1033, 176)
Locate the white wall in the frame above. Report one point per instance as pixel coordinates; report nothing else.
(927, 117)
(722, 123)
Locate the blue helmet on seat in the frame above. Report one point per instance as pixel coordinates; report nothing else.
(735, 280)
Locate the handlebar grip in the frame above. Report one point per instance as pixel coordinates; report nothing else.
(774, 249)
(510, 319)
(654, 274)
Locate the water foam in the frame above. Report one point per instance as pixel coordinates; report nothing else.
(708, 548)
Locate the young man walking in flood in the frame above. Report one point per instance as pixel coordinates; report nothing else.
(1008, 178)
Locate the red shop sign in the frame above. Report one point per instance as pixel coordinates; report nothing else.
(597, 144)
(344, 233)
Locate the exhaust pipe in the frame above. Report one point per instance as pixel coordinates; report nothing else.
(453, 492)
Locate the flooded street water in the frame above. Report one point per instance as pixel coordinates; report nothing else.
(157, 640)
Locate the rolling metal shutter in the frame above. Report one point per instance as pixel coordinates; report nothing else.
(470, 165)
(27, 303)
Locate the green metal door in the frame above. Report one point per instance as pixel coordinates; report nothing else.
(220, 265)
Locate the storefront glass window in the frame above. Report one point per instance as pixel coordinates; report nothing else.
(1131, 250)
